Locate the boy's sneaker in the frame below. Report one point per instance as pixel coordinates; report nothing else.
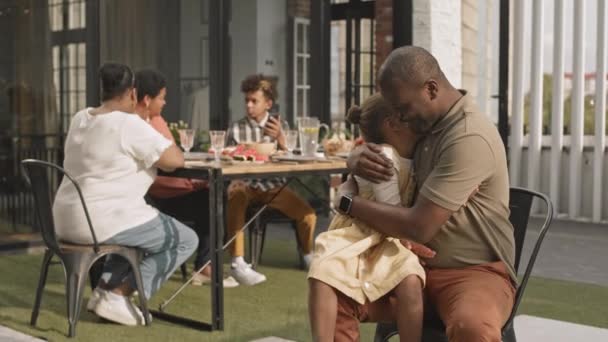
(307, 258)
(201, 279)
(95, 296)
(245, 275)
(118, 309)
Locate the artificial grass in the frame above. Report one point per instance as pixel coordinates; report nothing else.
(274, 308)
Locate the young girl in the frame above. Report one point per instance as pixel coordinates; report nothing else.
(360, 262)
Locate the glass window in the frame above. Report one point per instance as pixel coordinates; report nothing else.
(171, 37)
(43, 82)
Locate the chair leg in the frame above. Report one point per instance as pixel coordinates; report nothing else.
(508, 334)
(184, 270)
(96, 271)
(44, 270)
(261, 240)
(134, 258)
(301, 262)
(254, 241)
(384, 331)
(77, 267)
(252, 232)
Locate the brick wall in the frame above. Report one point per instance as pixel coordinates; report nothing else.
(384, 30)
(298, 8)
(479, 52)
(470, 48)
(437, 28)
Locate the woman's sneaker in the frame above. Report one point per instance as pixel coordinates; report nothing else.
(95, 296)
(119, 309)
(245, 275)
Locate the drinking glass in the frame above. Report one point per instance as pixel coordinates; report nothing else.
(186, 139)
(218, 139)
(291, 140)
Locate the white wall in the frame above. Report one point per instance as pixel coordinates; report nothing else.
(437, 28)
(258, 30)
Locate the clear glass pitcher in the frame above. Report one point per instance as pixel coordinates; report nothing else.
(309, 134)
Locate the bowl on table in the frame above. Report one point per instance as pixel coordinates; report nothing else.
(263, 148)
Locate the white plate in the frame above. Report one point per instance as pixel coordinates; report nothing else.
(299, 158)
(198, 155)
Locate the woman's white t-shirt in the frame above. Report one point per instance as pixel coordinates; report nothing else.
(111, 156)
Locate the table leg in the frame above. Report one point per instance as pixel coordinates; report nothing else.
(216, 223)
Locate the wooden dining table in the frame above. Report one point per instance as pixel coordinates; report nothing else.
(218, 177)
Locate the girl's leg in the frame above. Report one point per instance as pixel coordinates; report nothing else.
(409, 309)
(322, 310)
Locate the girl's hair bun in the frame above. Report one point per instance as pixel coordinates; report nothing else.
(354, 115)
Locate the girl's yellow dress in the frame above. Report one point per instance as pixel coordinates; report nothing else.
(356, 259)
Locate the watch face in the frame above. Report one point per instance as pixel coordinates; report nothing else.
(345, 203)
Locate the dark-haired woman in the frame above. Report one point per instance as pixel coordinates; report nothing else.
(113, 154)
(185, 199)
(354, 260)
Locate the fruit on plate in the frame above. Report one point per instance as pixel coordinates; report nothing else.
(244, 153)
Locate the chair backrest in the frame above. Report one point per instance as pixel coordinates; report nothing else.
(38, 173)
(520, 204)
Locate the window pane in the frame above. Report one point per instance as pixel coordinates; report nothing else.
(76, 14)
(300, 38)
(300, 71)
(299, 107)
(55, 15)
(82, 55)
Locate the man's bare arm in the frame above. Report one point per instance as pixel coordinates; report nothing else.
(419, 223)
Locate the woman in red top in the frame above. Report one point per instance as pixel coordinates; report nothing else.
(184, 199)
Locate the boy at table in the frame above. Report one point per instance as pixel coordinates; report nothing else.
(258, 126)
(186, 199)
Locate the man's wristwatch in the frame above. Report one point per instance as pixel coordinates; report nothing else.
(346, 203)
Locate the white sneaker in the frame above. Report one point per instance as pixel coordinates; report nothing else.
(95, 296)
(119, 309)
(201, 279)
(245, 275)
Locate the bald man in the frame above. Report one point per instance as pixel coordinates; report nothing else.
(471, 280)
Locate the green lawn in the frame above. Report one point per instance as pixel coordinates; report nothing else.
(277, 307)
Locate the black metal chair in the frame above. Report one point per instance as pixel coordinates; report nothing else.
(257, 233)
(75, 258)
(520, 205)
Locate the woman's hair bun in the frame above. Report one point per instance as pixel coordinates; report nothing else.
(354, 115)
(115, 80)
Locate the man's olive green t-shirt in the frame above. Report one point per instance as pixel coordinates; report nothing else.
(464, 151)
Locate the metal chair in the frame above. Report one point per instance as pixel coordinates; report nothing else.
(75, 258)
(257, 233)
(520, 204)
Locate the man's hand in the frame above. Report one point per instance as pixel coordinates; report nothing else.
(347, 188)
(368, 162)
(422, 251)
(273, 129)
